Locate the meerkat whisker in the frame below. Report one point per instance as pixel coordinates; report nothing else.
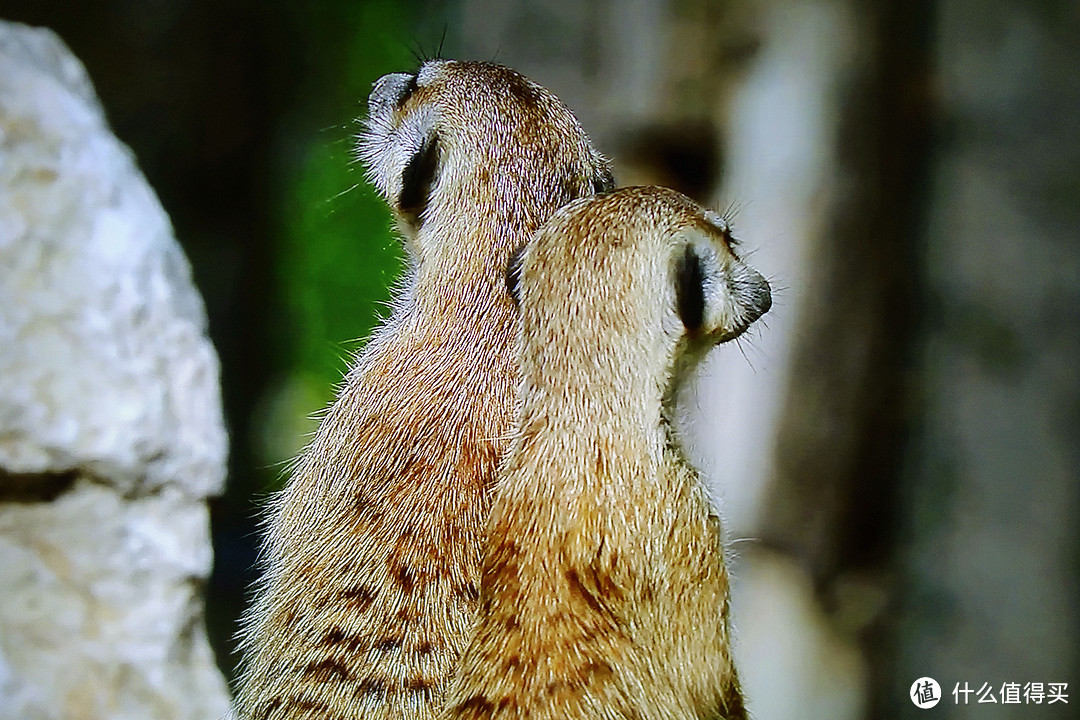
(346, 191)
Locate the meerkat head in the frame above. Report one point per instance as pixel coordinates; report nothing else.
(639, 281)
(477, 147)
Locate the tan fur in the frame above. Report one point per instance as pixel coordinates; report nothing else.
(371, 551)
(604, 592)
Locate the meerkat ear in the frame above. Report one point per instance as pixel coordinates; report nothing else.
(417, 179)
(603, 182)
(690, 288)
(513, 273)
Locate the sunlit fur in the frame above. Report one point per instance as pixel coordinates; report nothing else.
(604, 592)
(371, 554)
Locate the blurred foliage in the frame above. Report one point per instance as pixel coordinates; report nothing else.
(337, 257)
(337, 253)
(336, 261)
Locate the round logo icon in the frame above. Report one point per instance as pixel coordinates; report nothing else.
(925, 693)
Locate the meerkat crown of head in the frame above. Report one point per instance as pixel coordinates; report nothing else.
(489, 125)
(615, 254)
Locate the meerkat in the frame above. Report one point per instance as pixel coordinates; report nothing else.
(604, 591)
(371, 552)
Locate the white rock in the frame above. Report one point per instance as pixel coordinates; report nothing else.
(111, 429)
(102, 616)
(104, 364)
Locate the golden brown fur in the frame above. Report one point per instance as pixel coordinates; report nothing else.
(371, 551)
(604, 592)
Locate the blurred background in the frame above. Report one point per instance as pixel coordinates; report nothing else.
(896, 451)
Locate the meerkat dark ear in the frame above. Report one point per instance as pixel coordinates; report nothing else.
(417, 179)
(513, 273)
(603, 182)
(690, 288)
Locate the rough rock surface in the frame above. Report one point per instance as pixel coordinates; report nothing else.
(111, 429)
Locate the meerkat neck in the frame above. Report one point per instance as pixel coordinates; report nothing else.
(439, 308)
(472, 255)
(611, 473)
(591, 379)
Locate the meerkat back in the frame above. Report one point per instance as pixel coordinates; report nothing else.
(371, 551)
(604, 592)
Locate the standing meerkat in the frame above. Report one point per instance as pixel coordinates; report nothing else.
(604, 592)
(372, 550)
